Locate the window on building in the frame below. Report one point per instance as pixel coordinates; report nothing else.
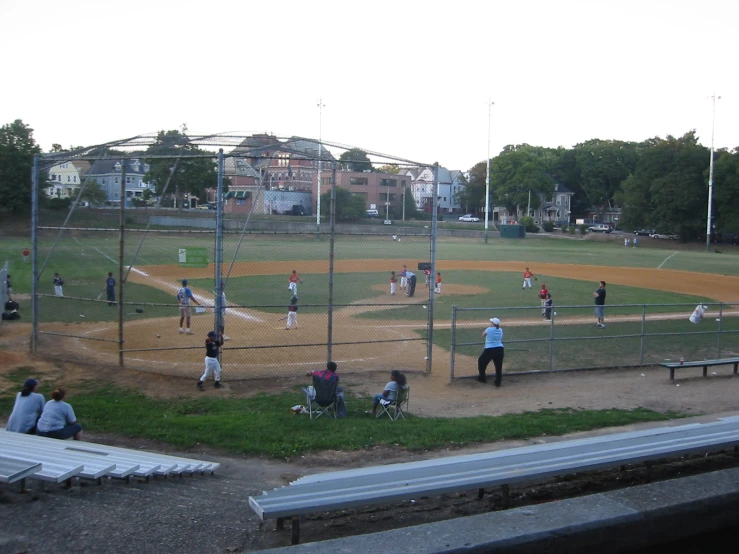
(388, 182)
(116, 180)
(358, 181)
(74, 178)
(325, 181)
(392, 197)
(69, 178)
(128, 180)
(240, 201)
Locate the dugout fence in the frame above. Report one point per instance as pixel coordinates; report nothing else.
(635, 335)
(236, 254)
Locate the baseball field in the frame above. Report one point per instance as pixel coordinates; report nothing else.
(370, 329)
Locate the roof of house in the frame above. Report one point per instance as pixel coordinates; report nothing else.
(559, 187)
(108, 166)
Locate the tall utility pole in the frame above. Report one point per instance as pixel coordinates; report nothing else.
(320, 105)
(487, 176)
(710, 176)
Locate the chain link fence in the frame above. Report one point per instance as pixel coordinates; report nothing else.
(635, 335)
(107, 278)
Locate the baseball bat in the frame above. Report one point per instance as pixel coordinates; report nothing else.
(100, 295)
(282, 318)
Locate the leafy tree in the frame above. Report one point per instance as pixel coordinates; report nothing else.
(17, 148)
(520, 170)
(726, 191)
(472, 196)
(668, 188)
(192, 175)
(349, 206)
(355, 160)
(602, 165)
(411, 211)
(389, 168)
(93, 193)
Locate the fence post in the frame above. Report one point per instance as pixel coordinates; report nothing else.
(453, 344)
(720, 321)
(34, 253)
(641, 342)
(551, 339)
(331, 256)
(434, 227)
(121, 252)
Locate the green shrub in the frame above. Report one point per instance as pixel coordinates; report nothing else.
(572, 230)
(548, 226)
(583, 228)
(528, 222)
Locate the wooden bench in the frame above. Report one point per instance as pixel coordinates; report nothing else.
(371, 486)
(701, 363)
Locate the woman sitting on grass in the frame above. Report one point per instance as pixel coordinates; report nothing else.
(397, 381)
(58, 420)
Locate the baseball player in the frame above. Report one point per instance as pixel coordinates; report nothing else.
(292, 313)
(393, 280)
(110, 289)
(58, 284)
(294, 280)
(26, 254)
(427, 277)
(184, 296)
(437, 289)
(543, 294)
(404, 278)
(212, 365)
(527, 275)
(411, 283)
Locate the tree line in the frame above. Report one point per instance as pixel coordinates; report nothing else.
(660, 183)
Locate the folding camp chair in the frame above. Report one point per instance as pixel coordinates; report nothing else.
(395, 408)
(321, 397)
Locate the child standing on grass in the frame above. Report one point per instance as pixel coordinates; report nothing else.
(212, 365)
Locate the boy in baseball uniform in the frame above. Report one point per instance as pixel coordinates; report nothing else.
(292, 313)
(437, 289)
(58, 283)
(393, 280)
(527, 275)
(184, 296)
(294, 280)
(212, 365)
(404, 278)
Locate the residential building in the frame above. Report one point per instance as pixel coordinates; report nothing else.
(65, 178)
(107, 174)
(555, 208)
(383, 192)
(451, 183)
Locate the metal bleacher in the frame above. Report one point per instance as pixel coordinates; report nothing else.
(57, 461)
(381, 484)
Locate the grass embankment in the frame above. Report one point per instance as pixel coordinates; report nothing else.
(263, 424)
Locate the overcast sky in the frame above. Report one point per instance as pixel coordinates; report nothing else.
(408, 78)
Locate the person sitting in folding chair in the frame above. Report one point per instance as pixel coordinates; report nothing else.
(325, 396)
(395, 409)
(397, 380)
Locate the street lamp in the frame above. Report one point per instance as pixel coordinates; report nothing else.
(487, 176)
(710, 176)
(320, 105)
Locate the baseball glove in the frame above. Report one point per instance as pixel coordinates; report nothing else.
(536, 278)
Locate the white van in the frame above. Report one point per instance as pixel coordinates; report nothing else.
(372, 213)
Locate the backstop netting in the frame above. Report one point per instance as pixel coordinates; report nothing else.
(243, 230)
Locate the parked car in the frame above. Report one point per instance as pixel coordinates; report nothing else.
(469, 218)
(644, 232)
(730, 238)
(600, 229)
(372, 213)
(667, 236)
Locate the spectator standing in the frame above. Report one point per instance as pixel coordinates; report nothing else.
(184, 297)
(600, 304)
(626, 242)
(58, 284)
(636, 241)
(9, 286)
(58, 420)
(110, 289)
(212, 365)
(27, 409)
(494, 351)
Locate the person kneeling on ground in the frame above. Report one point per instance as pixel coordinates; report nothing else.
(397, 380)
(28, 408)
(58, 420)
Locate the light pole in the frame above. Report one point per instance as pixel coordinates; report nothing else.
(487, 177)
(710, 175)
(320, 105)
